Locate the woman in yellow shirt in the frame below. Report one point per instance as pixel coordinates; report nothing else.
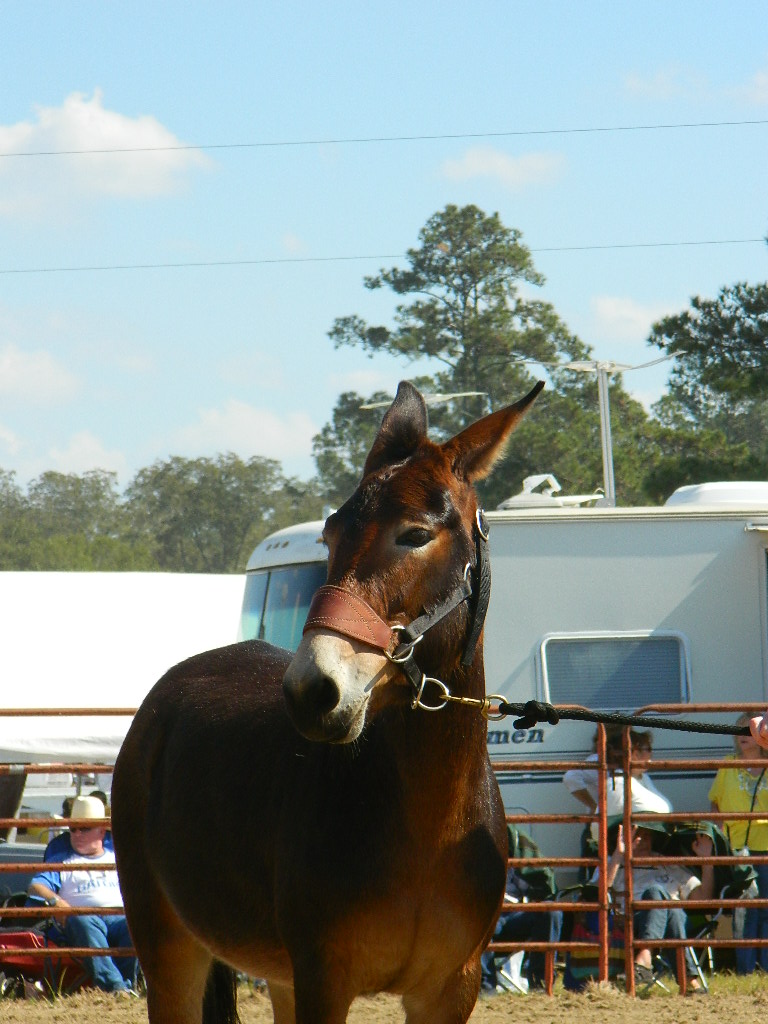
(745, 790)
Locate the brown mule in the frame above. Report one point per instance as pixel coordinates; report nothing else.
(304, 820)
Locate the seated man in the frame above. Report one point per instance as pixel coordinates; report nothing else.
(519, 925)
(673, 883)
(91, 887)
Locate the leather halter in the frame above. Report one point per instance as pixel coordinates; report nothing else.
(340, 611)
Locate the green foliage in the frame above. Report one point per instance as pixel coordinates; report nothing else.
(341, 446)
(182, 515)
(67, 522)
(466, 313)
(205, 515)
(718, 388)
(720, 347)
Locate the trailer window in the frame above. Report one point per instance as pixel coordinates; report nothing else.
(613, 672)
(276, 603)
(253, 605)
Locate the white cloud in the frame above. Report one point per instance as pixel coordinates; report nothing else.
(677, 82)
(293, 244)
(514, 172)
(248, 430)
(622, 319)
(10, 443)
(755, 90)
(84, 452)
(672, 82)
(35, 377)
(33, 186)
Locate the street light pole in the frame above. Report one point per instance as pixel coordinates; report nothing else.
(605, 434)
(603, 369)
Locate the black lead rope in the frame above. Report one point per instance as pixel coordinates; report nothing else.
(535, 711)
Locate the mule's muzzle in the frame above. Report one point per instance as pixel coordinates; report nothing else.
(315, 705)
(310, 700)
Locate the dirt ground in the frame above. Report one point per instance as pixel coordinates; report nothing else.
(598, 1005)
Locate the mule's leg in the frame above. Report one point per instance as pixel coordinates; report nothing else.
(175, 965)
(176, 980)
(452, 1003)
(318, 1001)
(283, 1003)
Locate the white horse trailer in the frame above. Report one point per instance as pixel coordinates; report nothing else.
(611, 608)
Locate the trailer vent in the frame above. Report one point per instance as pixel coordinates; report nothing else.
(615, 671)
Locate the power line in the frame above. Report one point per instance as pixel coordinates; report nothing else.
(367, 140)
(650, 245)
(349, 259)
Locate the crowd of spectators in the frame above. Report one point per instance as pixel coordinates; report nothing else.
(741, 789)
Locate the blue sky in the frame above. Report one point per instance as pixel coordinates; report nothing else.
(115, 368)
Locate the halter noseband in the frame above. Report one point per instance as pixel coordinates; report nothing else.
(338, 610)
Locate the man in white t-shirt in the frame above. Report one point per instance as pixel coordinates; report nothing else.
(90, 882)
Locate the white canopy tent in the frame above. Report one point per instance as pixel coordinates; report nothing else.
(98, 640)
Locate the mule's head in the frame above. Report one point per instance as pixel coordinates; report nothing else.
(398, 547)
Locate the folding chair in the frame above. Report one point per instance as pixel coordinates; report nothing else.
(732, 881)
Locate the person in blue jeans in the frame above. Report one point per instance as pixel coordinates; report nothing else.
(673, 883)
(520, 925)
(95, 885)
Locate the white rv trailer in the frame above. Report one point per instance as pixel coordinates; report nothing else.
(611, 608)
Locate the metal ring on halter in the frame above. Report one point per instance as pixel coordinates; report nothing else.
(482, 524)
(487, 713)
(446, 693)
(467, 571)
(404, 655)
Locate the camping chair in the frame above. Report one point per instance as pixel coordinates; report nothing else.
(540, 883)
(583, 966)
(732, 881)
(59, 974)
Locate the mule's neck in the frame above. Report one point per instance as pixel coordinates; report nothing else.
(446, 748)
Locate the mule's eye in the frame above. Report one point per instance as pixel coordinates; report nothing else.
(416, 537)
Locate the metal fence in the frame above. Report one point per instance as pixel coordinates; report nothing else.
(602, 906)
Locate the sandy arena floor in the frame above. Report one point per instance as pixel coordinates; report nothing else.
(599, 1005)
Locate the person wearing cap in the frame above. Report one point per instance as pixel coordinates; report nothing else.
(96, 886)
(672, 883)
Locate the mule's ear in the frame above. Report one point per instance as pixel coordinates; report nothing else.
(474, 451)
(402, 430)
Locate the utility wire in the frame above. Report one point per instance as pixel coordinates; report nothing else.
(365, 140)
(349, 259)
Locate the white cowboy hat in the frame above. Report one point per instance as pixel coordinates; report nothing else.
(87, 807)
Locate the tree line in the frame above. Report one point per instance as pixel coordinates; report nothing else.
(179, 515)
(463, 304)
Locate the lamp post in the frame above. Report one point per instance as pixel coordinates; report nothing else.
(603, 368)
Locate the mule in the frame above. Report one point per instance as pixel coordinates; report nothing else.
(330, 821)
